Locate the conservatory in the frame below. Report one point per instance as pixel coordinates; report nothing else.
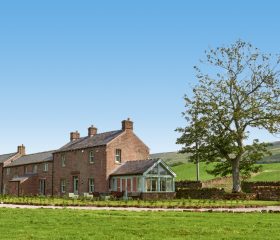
(143, 176)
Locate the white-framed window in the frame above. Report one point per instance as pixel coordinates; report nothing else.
(46, 167)
(8, 170)
(62, 185)
(63, 160)
(151, 184)
(118, 155)
(91, 185)
(25, 169)
(91, 157)
(35, 168)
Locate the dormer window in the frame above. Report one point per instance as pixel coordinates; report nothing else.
(91, 157)
(118, 155)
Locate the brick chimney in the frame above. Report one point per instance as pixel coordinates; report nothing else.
(74, 136)
(127, 125)
(21, 149)
(92, 131)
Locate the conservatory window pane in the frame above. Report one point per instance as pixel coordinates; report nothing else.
(148, 185)
(154, 184)
(162, 171)
(163, 184)
(154, 170)
(151, 184)
(169, 184)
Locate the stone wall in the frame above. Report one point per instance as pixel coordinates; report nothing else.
(157, 195)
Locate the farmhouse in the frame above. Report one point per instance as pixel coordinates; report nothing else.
(99, 163)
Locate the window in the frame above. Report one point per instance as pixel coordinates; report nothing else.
(35, 168)
(169, 185)
(118, 156)
(25, 169)
(151, 184)
(8, 170)
(63, 161)
(91, 157)
(139, 184)
(154, 171)
(91, 185)
(162, 170)
(46, 167)
(62, 185)
(162, 184)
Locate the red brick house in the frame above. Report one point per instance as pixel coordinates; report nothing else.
(115, 161)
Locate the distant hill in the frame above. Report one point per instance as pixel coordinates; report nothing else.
(174, 158)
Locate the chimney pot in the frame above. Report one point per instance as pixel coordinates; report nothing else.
(74, 136)
(92, 131)
(127, 124)
(21, 149)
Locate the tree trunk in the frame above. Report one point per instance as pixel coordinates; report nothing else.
(235, 177)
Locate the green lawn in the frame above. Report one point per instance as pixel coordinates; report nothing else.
(80, 224)
(187, 171)
(269, 172)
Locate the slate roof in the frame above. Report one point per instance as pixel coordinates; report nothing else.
(94, 141)
(33, 158)
(134, 167)
(4, 157)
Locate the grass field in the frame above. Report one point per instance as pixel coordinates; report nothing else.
(269, 172)
(187, 171)
(80, 224)
(173, 158)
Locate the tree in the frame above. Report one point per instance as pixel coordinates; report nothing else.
(240, 92)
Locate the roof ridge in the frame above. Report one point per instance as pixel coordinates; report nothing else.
(36, 153)
(148, 159)
(102, 133)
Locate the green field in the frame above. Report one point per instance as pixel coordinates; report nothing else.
(187, 171)
(269, 172)
(173, 158)
(80, 224)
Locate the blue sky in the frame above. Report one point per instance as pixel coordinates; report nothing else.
(65, 65)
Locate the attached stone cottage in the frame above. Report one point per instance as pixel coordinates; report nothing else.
(115, 161)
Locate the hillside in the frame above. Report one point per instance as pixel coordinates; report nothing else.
(187, 171)
(174, 158)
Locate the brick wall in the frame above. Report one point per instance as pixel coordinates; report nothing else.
(30, 186)
(132, 148)
(78, 164)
